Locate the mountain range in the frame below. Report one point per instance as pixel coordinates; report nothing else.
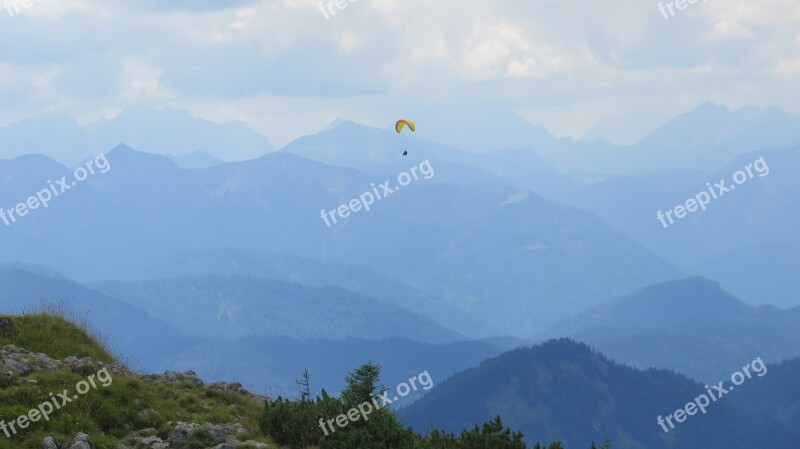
(168, 131)
(691, 325)
(564, 391)
(203, 248)
(432, 237)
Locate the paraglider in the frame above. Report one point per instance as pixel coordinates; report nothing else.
(403, 122)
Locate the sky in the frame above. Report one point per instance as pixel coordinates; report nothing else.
(286, 70)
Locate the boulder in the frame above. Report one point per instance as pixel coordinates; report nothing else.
(49, 443)
(81, 441)
(180, 433)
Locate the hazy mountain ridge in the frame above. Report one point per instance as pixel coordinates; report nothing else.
(355, 278)
(236, 306)
(161, 329)
(166, 131)
(710, 135)
(691, 155)
(692, 326)
(273, 204)
(565, 391)
(739, 234)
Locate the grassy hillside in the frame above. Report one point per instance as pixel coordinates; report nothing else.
(55, 337)
(130, 404)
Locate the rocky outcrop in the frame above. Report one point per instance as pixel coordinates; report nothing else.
(226, 436)
(16, 361)
(81, 441)
(188, 377)
(223, 436)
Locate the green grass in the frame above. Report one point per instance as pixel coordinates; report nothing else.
(53, 336)
(107, 414)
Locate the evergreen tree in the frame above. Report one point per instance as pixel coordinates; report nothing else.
(362, 385)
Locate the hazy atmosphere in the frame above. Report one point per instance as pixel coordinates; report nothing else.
(375, 224)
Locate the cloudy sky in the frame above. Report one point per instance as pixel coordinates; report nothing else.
(286, 70)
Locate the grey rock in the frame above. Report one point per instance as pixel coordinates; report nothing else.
(153, 443)
(81, 442)
(174, 377)
(46, 363)
(180, 433)
(236, 429)
(20, 366)
(49, 443)
(216, 432)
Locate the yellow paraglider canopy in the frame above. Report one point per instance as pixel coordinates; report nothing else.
(403, 122)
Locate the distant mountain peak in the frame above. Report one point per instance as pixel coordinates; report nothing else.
(709, 105)
(338, 121)
(141, 160)
(122, 149)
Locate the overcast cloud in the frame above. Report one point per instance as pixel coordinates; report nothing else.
(281, 67)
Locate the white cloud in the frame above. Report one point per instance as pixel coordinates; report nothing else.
(142, 82)
(254, 60)
(503, 51)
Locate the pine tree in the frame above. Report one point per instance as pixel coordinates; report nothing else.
(362, 384)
